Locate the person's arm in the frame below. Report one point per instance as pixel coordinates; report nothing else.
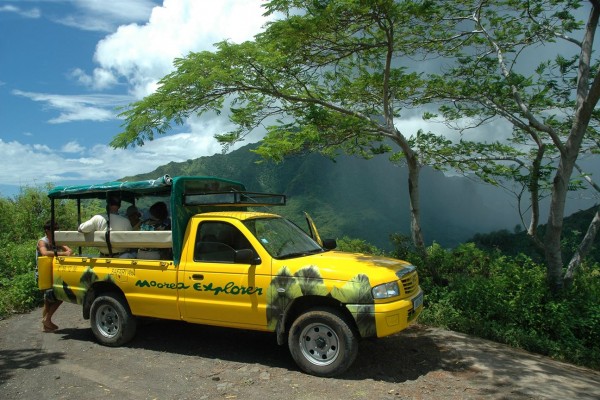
(66, 250)
(45, 250)
(90, 225)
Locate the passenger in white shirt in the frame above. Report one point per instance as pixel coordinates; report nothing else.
(117, 223)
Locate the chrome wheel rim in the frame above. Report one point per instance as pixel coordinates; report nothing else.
(107, 321)
(319, 344)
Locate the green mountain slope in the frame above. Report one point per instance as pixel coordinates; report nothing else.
(359, 198)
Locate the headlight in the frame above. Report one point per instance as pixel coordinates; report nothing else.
(386, 290)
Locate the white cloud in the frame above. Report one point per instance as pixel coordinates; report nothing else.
(72, 147)
(29, 13)
(136, 57)
(30, 164)
(41, 148)
(94, 107)
(106, 16)
(495, 130)
(142, 54)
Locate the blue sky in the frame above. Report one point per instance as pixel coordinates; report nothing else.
(66, 65)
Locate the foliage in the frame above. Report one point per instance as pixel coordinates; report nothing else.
(17, 258)
(506, 299)
(20, 294)
(357, 246)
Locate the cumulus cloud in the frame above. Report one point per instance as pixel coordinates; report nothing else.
(26, 164)
(142, 54)
(495, 130)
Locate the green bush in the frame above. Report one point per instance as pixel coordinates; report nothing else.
(19, 295)
(17, 259)
(506, 299)
(357, 246)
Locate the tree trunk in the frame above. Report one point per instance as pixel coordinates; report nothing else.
(552, 245)
(587, 98)
(415, 208)
(584, 248)
(534, 192)
(415, 214)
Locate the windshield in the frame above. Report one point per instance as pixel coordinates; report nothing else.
(281, 238)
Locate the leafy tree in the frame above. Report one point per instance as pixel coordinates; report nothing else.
(552, 107)
(326, 77)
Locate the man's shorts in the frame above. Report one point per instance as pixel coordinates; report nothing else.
(49, 296)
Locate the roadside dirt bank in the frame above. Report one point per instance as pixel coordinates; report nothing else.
(173, 360)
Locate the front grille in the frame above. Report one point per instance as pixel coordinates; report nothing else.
(410, 283)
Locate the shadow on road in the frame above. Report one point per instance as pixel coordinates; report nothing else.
(11, 360)
(396, 359)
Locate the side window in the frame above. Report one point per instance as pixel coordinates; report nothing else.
(218, 242)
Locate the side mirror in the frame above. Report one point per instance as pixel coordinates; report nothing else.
(329, 244)
(246, 256)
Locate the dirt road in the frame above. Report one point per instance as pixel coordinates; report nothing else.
(173, 360)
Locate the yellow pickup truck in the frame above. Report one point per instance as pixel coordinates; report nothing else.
(231, 266)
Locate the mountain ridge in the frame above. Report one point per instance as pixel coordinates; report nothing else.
(365, 199)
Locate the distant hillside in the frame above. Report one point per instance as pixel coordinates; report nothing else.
(359, 198)
(513, 243)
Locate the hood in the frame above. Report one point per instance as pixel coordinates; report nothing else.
(339, 265)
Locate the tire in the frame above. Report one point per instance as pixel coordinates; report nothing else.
(322, 343)
(111, 320)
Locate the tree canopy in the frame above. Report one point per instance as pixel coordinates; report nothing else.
(326, 77)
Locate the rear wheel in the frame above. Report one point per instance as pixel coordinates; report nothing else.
(322, 343)
(111, 320)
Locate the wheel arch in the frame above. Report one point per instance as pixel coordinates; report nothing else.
(97, 289)
(306, 303)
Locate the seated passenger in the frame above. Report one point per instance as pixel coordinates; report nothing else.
(159, 221)
(135, 217)
(99, 222)
(159, 218)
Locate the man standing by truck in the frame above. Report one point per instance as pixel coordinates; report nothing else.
(45, 248)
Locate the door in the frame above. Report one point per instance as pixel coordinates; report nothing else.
(221, 289)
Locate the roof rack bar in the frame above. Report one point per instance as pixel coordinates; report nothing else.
(248, 199)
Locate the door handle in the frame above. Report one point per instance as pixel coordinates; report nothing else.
(197, 277)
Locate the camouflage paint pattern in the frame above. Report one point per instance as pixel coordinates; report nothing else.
(307, 281)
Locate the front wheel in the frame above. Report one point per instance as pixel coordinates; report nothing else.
(322, 343)
(111, 320)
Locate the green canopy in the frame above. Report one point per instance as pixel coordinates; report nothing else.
(130, 190)
(176, 187)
